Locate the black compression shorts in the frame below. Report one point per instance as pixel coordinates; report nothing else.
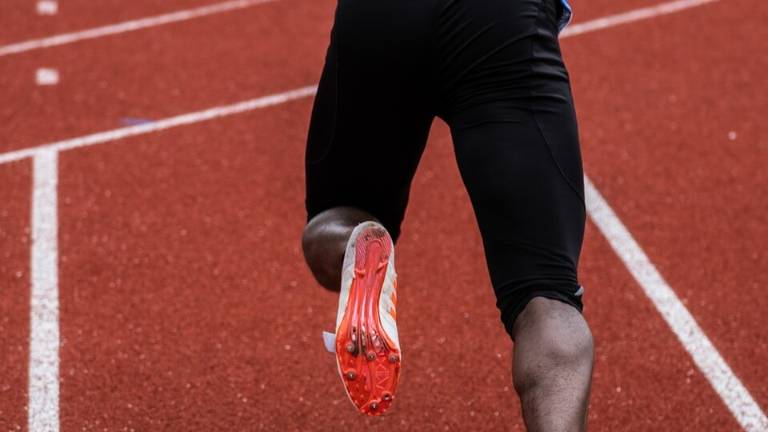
(492, 70)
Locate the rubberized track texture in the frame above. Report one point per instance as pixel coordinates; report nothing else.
(151, 275)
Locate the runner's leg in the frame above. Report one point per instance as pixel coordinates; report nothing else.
(508, 102)
(369, 126)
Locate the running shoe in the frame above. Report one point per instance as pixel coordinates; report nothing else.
(367, 346)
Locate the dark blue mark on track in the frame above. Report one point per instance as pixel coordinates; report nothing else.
(134, 121)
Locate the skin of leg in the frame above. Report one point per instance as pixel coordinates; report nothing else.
(552, 366)
(324, 242)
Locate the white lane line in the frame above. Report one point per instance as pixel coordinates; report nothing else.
(631, 16)
(167, 123)
(44, 305)
(127, 26)
(744, 407)
(221, 111)
(224, 110)
(727, 385)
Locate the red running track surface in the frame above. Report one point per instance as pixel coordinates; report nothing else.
(163, 71)
(16, 181)
(185, 304)
(204, 303)
(680, 151)
(22, 22)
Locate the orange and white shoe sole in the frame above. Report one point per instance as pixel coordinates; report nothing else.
(368, 360)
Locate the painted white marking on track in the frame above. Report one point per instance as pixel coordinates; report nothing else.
(727, 385)
(46, 77)
(47, 7)
(167, 123)
(737, 398)
(221, 111)
(127, 26)
(44, 304)
(632, 16)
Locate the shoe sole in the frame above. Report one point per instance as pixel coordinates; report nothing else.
(368, 361)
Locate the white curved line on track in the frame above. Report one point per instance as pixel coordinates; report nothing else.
(167, 123)
(126, 26)
(632, 16)
(225, 110)
(727, 385)
(187, 14)
(44, 267)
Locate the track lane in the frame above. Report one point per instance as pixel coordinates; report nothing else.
(162, 72)
(185, 279)
(496, 379)
(15, 195)
(22, 22)
(195, 333)
(91, 96)
(637, 357)
(658, 147)
(78, 15)
(643, 378)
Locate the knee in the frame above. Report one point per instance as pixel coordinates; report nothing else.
(323, 259)
(557, 335)
(574, 346)
(324, 241)
(554, 323)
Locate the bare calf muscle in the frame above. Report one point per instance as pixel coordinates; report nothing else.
(553, 356)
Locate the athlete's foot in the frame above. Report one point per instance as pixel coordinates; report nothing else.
(367, 346)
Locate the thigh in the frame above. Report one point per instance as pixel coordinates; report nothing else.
(502, 54)
(370, 119)
(525, 182)
(511, 114)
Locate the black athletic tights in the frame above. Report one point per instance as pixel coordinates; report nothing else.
(492, 70)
